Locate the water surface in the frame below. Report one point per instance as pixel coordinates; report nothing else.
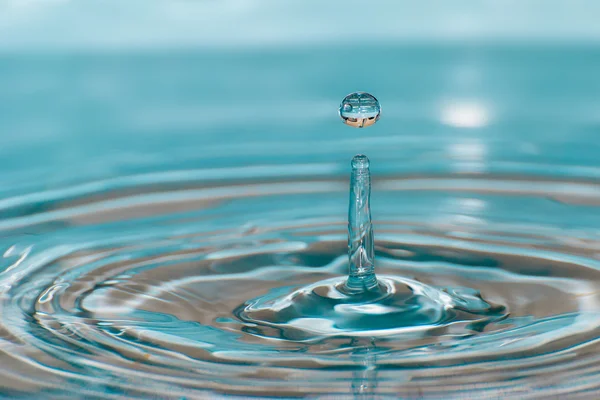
(147, 198)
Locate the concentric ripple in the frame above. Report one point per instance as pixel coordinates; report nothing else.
(155, 291)
(397, 306)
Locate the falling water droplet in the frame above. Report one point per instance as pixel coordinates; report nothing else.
(360, 109)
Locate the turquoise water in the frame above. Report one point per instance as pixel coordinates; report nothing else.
(149, 198)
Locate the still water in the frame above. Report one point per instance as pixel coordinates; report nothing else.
(155, 209)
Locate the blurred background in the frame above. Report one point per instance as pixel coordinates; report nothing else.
(99, 89)
(94, 90)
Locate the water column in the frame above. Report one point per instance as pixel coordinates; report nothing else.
(361, 255)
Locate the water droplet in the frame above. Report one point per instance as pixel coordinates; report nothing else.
(360, 109)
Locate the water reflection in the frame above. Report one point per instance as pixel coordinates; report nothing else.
(465, 114)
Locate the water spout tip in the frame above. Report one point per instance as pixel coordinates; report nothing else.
(360, 161)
